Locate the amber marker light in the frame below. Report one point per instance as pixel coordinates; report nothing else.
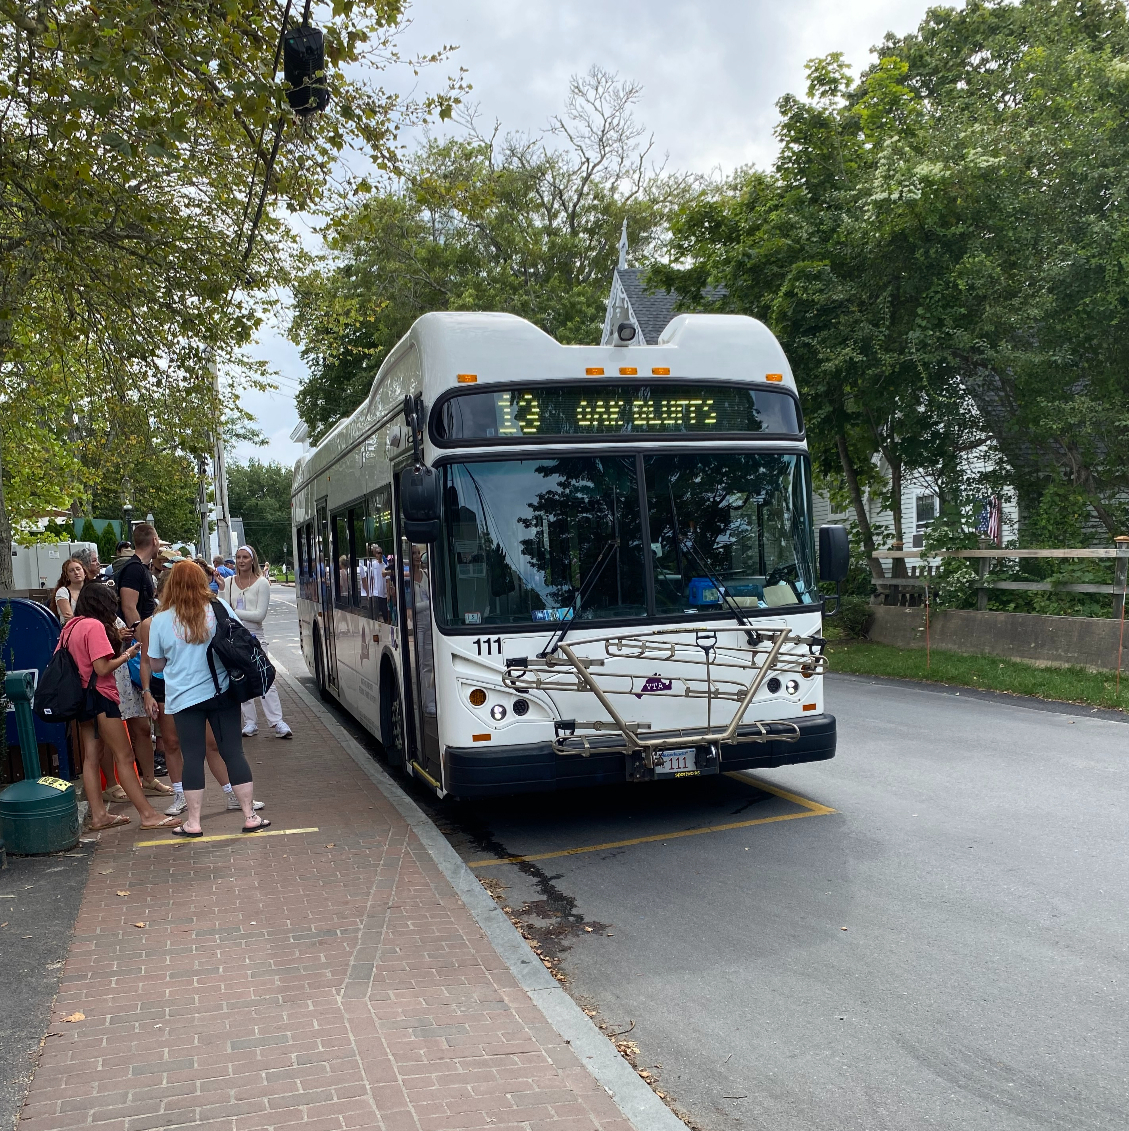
(594, 371)
(661, 371)
(628, 371)
(477, 697)
(774, 376)
(480, 738)
(467, 378)
(809, 707)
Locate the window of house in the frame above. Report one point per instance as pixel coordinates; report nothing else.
(926, 509)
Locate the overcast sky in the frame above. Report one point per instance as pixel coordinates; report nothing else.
(711, 75)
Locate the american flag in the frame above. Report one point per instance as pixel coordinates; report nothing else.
(989, 523)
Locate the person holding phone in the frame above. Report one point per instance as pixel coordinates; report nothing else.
(94, 643)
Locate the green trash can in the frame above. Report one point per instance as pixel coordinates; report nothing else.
(39, 814)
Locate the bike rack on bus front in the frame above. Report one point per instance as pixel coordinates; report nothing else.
(758, 653)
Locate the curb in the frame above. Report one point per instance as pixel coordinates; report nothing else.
(988, 695)
(634, 1098)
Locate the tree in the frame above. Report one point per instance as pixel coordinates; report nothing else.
(821, 251)
(1029, 110)
(517, 223)
(260, 494)
(139, 145)
(900, 245)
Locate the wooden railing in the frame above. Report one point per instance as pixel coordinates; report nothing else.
(924, 577)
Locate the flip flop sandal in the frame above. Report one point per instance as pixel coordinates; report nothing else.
(116, 821)
(115, 793)
(263, 824)
(156, 788)
(180, 830)
(167, 823)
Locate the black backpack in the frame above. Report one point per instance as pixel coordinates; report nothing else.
(250, 672)
(59, 695)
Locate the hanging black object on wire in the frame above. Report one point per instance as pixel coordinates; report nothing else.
(303, 64)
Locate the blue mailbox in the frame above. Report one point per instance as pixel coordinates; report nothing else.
(32, 637)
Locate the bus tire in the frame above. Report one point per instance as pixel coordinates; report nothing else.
(391, 718)
(319, 666)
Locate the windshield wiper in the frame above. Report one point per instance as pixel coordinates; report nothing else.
(752, 637)
(578, 601)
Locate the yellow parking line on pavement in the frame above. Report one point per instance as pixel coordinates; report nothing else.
(219, 836)
(811, 809)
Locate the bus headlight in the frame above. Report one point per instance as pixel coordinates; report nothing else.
(521, 707)
(792, 686)
(497, 712)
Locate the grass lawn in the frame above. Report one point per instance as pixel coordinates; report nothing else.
(1073, 685)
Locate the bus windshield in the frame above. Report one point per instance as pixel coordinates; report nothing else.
(521, 536)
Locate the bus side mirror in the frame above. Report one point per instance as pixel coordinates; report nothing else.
(421, 503)
(834, 560)
(834, 553)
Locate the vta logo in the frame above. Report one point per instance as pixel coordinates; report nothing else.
(652, 684)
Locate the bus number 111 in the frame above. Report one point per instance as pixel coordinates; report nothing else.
(491, 643)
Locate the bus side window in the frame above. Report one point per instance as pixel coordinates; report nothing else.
(339, 565)
(381, 549)
(311, 564)
(300, 554)
(358, 552)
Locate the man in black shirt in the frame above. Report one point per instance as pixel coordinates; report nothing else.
(136, 591)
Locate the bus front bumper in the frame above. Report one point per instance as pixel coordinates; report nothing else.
(535, 767)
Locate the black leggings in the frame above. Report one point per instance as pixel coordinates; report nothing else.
(223, 713)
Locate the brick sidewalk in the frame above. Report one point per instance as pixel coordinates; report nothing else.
(316, 980)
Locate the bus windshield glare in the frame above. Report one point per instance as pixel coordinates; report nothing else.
(553, 411)
(521, 536)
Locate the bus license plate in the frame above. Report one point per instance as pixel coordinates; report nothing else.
(679, 762)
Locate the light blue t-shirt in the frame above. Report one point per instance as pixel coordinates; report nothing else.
(188, 679)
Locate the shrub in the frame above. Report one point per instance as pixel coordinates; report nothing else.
(851, 622)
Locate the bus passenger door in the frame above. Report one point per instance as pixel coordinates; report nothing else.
(324, 595)
(413, 576)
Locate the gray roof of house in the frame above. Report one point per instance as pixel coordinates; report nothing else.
(653, 309)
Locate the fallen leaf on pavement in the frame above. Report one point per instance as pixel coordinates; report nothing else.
(75, 1017)
(589, 929)
(139, 924)
(123, 893)
(842, 928)
(104, 871)
(333, 845)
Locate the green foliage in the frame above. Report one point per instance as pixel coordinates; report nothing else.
(259, 493)
(107, 545)
(526, 225)
(1071, 685)
(853, 620)
(900, 248)
(88, 532)
(133, 140)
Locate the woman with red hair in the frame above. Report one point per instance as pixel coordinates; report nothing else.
(179, 636)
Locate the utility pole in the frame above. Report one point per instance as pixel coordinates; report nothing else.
(202, 504)
(223, 523)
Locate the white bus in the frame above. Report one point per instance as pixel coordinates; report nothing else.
(527, 566)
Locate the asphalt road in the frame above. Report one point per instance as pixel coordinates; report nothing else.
(927, 931)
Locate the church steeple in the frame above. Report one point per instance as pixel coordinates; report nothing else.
(623, 244)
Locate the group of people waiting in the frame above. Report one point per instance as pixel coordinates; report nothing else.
(141, 631)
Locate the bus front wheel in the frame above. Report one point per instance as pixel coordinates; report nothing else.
(391, 718)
